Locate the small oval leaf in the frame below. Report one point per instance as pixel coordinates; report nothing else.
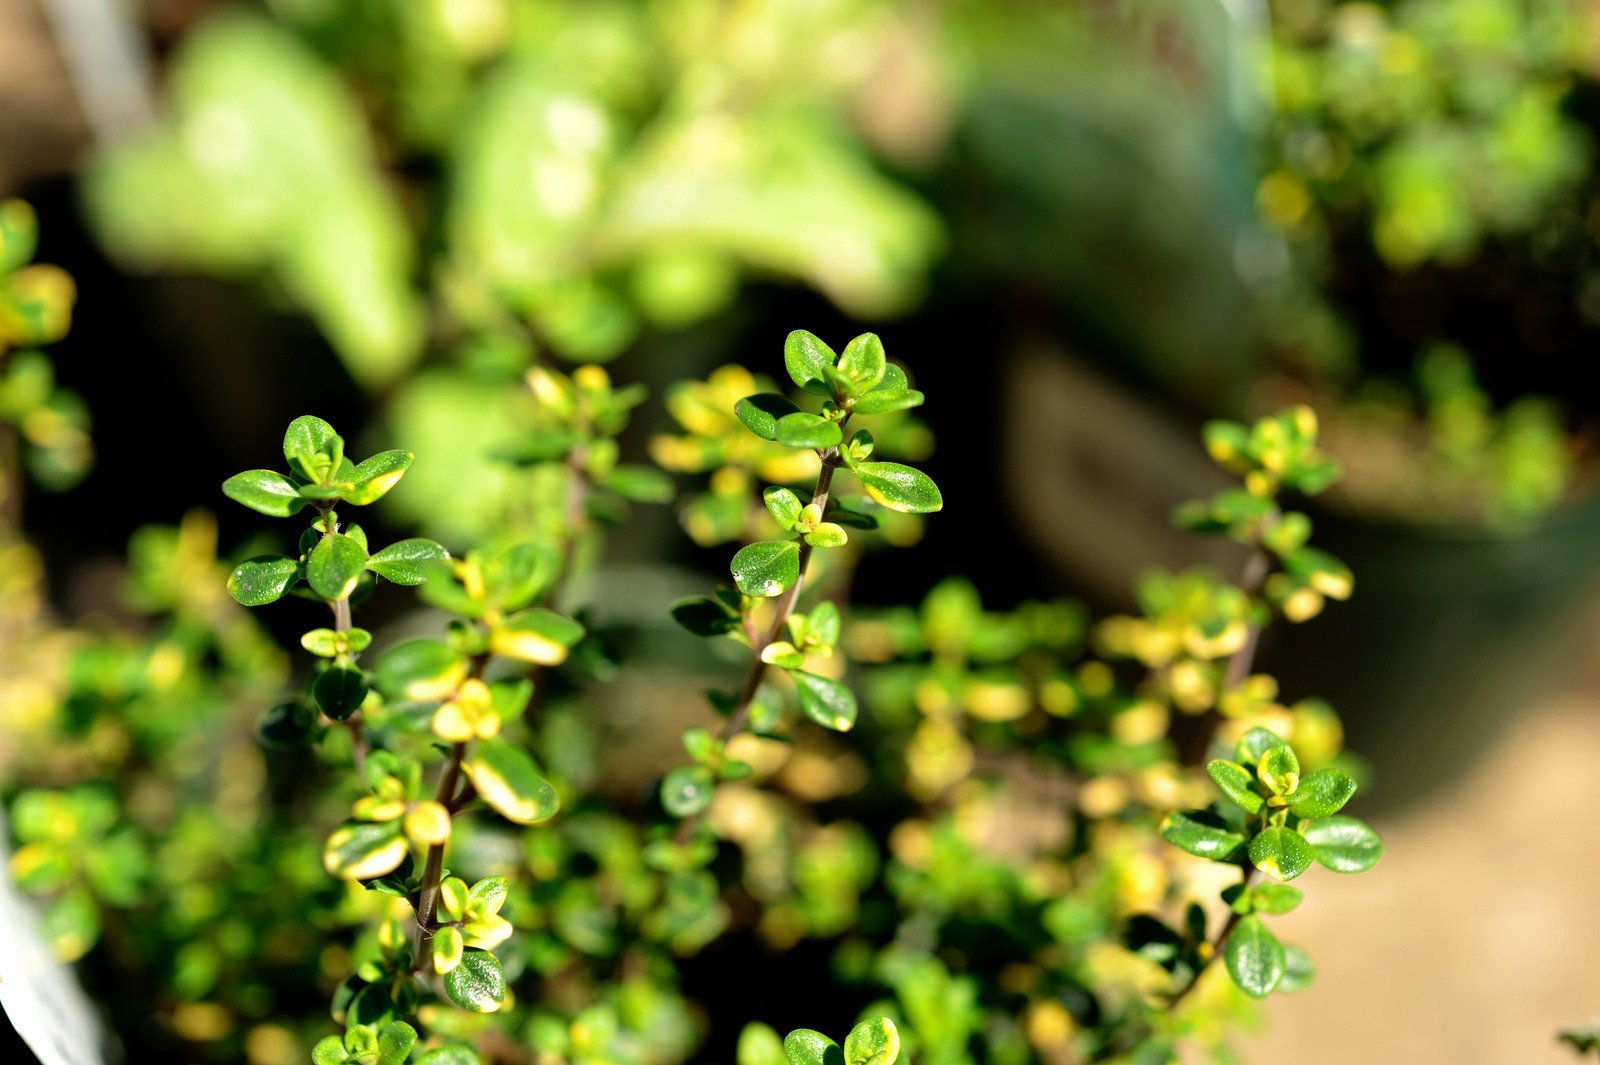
(766, 568)
(1344, 844)
(760, 413)
(270, 493)
(506, 778)
(406, 562)
(899, 487)
(1203, 834)
(825, 701)
(335, 566)
(1281, 853)
(263, 579)
(1254, 957)
(477, 984)
(1322, 794)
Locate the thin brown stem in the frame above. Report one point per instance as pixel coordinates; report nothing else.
(786, 604)
(433, 865)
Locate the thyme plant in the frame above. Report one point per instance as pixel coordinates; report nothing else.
(998, 824)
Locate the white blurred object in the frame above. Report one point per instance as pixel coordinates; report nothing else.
(46, 1006)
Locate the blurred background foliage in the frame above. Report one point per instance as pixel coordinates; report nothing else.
(388, 210)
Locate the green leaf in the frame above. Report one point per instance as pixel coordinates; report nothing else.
(1344, 844)
(548, 445)
(324, 643)
(510, 697)
(808, 430)
(704, 617)
(536, 635)
(808, 361)
(899, 487)
(1322, 794)
(1275, 898)
(1255, 743)
(641, 484)
(825, 701)
(395, 1043)
(406, 562)
(1281, 853)
(806, 1047)
(1279, 770)
(376, 476)
(420, 671)
(270, 493)
(1203, 834)
(306, 438)
(488, 894)
(1298, 971)
(447, 949)
(874, 1041)
(759, 1045)
(783, 505)
(324, 492)
(477, 984)
(760, 413)
(450, 1055)
(360, 850)
(286, 727)
(687, 790)
(335, 566)
(453, 898)
(1237, 783)
(1254, 957)
(862, 363)
(339, 691)
(263, 579)
(509, 781)
(767, 567)
(827, 534)
(886, 401)
(329, 1051)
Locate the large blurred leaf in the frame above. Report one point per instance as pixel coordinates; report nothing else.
(263, 163)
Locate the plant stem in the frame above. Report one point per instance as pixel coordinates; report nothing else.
(1217, 944)
(786, 604)
(428, 893)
